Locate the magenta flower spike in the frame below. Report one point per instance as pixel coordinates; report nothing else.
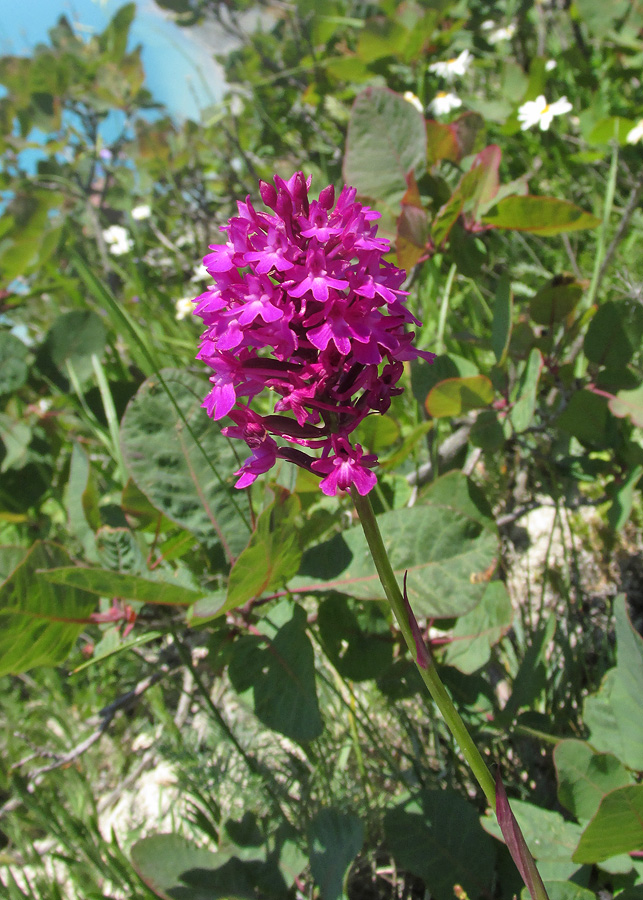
(304, 304)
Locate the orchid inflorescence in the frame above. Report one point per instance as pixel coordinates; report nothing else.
(304, 304)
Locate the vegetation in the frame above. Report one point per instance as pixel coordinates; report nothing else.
(205, 692)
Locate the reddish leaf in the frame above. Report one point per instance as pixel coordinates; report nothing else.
(412, 227)
(517, 845)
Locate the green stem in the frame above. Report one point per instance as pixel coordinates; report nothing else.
(602, 234)
(429, 673)
(444, 308)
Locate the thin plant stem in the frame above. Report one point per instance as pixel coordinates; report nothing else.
(602, 235)
(428, 672)
(444, 308)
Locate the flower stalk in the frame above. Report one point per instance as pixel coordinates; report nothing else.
(426, 667)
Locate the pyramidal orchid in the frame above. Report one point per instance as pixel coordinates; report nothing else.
(304, 304)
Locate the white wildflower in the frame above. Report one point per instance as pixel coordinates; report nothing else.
(550, 65)
(540, 112)
(118, 240)
(184, 307)
(454, 67)
(502, 34)
(635, 135)
(444, 102)
(141, 212)
(410, 97)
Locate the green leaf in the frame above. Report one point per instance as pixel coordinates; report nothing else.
(445, 544)
(555, 302)
(436, 836)
(174, 867)
(39, 621)
(563, 890)
(82, 502)
(584, 777)
(585, 417)
(501, 327)
(628, 403)
(14, 368)
(386, 140)
(549, 837)
(616, 828)
(72, 339)
(335, 838)
(107, 583)
(614, 715)
(272, 556)
(356, 638)
(456, 396)
(424, 377)
(477, 631)
(623, 494)
(277, 676)
(15, 437)
(614, 334)
(539, 215)
(487, 432)
(522, 412)
(183, 470)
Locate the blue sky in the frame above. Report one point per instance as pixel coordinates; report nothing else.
(178, 63)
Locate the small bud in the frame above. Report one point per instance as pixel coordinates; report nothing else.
(268, 194)
(327, 197)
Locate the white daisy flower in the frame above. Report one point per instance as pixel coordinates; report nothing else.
(118, 240)
(635, 135)
(184, 306)
(141, 212)
(502, 34)
(454, 67)
(410, 97)
(444, 102)
(540, 112)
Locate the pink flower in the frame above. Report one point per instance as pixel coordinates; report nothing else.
(304, 304)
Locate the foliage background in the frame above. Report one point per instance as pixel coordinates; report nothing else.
(271, 696)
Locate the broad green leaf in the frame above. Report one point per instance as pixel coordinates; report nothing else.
(386, 141)
(183, 470)
(614, 335)
(614, 715)
(335, 838)
(623, 494)
(456, 396)
(381, 37)
(628, 403)
(14, 367)
(271, 557)
(119, 549)
(174, 867)
(555, 302)
(585, 417)
(501, 327)
(584, 776)
(487, 432)
(445, 544)
(522, 412)
(277, 676)
(39, 621)
(356, 637)
(600, 16)
(549, 837)
(609, 129)
(107, 583)
(477, 631)
(563, 890)
(616, 828)
(72, 339)
(436, 836)
(15, 437)
(10, 558)
(539, 215)
(424, 377)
